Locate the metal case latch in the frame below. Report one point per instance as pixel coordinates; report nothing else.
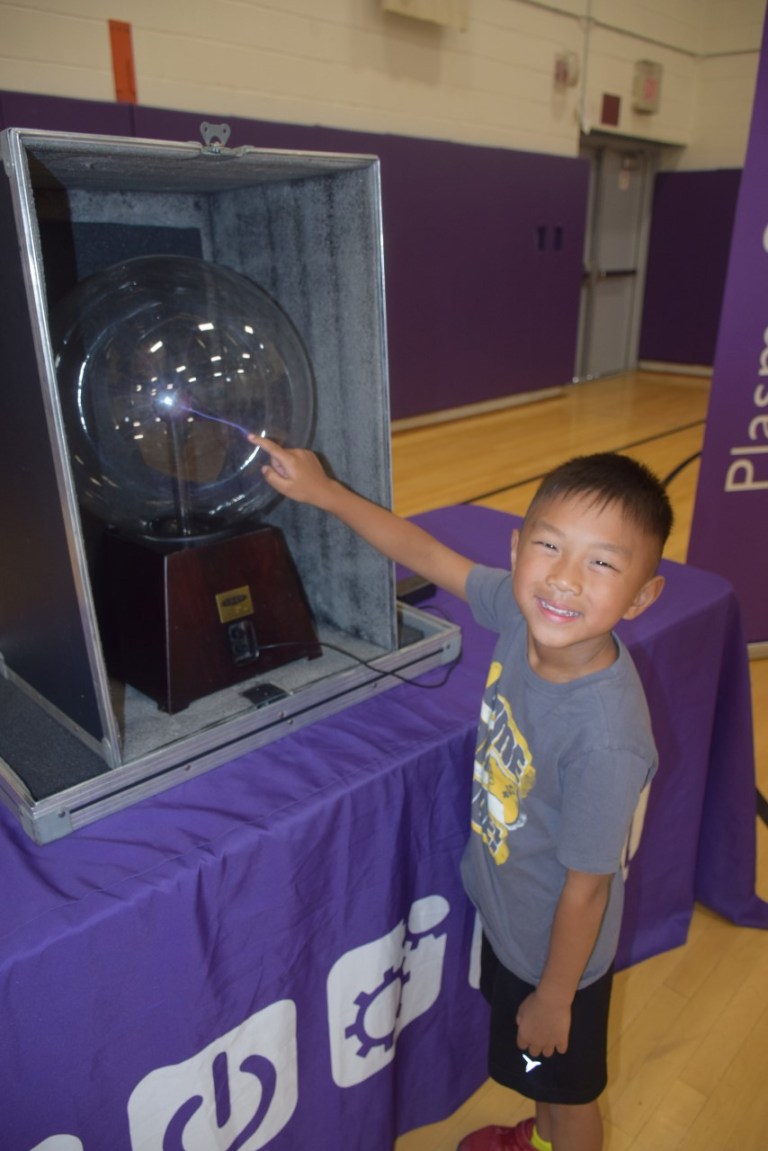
(215, 136)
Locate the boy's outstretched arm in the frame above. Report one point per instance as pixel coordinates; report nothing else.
(298, 474)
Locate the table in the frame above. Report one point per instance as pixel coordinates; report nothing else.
(279, 953)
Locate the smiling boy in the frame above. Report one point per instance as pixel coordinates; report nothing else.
(564, 751)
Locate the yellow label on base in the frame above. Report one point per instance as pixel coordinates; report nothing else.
(234, 604)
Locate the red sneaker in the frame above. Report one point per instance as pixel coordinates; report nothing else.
(517, 1138)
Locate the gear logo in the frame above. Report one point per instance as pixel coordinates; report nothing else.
(369, 1000)
(376, 990)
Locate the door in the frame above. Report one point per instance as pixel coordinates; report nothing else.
(614, 256)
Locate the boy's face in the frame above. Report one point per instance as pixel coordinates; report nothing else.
(577, 569)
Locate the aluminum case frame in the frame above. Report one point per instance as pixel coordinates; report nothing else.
(75, 746)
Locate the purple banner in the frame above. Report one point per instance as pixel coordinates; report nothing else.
(728, 533)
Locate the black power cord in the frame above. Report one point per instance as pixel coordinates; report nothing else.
(379, 673)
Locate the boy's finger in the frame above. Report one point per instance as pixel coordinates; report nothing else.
(262, 441)
(277, 459)
(278, 467)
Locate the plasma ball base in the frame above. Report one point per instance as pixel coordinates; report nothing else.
(181, 624)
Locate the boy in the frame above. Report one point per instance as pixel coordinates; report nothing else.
(564, 750)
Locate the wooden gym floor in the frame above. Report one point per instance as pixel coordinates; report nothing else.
(689, 1030)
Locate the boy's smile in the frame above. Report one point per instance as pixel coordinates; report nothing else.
(578, 567)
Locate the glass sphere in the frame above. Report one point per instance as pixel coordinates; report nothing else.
(164, 366)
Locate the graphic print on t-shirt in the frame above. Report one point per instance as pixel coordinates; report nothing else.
(503, 774)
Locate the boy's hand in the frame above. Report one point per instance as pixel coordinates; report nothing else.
(293, 472)
(542, 1027)
(299, 475)
(544, 1017)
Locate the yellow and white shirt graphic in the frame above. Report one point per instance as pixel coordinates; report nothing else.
(504, 773)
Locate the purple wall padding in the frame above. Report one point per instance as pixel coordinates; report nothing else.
(483, 247)
(692, 222)
(56, 114)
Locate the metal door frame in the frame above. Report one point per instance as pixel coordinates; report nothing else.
(593, 147)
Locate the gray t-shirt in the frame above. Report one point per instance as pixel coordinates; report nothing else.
(558, 773)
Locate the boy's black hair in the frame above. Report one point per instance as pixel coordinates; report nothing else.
(612, 478)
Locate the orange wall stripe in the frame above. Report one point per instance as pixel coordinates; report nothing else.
(123, 68)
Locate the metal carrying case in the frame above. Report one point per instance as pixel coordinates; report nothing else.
(76, 740)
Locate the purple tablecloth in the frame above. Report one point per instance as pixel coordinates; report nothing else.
(279, 953)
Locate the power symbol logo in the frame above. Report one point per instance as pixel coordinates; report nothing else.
(235, 1095)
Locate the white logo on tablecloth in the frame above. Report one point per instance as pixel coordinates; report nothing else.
(376, 990)
(635, 832)
(59, 1143)
(235, 1095)
(475, 954)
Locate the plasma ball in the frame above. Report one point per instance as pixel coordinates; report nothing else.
(158, 414)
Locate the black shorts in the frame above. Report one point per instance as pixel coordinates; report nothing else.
(578, 1076)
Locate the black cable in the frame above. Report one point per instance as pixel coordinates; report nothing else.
(380, 673)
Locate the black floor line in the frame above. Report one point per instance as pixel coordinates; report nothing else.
(680, 468)
(762, 807)
(624, 448)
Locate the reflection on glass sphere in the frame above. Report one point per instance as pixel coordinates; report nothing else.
(164, 365)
